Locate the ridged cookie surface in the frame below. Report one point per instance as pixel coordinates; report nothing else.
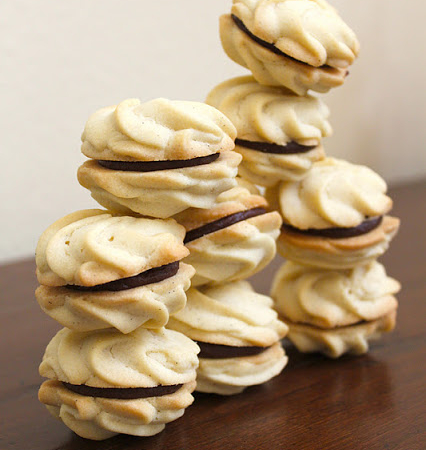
(149, 306)
(108, 358)
(333, 298)
(338, 253)
(157, 130)
(353, 339)
(232, 314)
(101, 418)
(334, 193)
(92, 247)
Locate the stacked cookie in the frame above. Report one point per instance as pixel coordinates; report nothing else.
(236, 328)
(113, 277)
(332, 292)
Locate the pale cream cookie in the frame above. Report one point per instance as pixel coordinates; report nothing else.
(103, 383)
(238, 333)
(149, 306)
(298, 44)
(338, 253)
(92, 247)
(158, 158)
(352, 339)
(231, 241)
(334, 193)
(333, 298)
(278, 133)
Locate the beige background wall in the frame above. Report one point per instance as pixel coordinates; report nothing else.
(61, 60)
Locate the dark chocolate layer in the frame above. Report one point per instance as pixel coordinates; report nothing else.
(150, 276)
(122, 393)
(268, 45)
(151, 166)
(224, 222)
(339, 233)
(216, 351)
(266, 147)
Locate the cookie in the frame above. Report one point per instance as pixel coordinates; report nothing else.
(333, 298)
(158, 158)
(352, 339)
(337, 253)
(298, 44)
(149, 306)
(238, 333)
(334, 193)
(103, 383)
(93, 247)
(278, 133)
(231, 241)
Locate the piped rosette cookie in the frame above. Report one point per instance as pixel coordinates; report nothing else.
(297, 44)
(278, 133)
(158, 158)
(238, 333)
(335, 311)
(335, 217)
(103, 383)
(98, 270)
(231, 241)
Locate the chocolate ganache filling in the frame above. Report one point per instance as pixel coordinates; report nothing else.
(150, 276)
(217, 351)
(122, 393)
(240, 24)
(224, 222)
(267, 147)
(338, 233)
(152, 166)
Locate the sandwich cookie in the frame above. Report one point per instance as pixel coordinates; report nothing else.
(231, 241)
(278, 133)
(335, 311)
(298, 44)
(103, 383)
(98, 270)
(335, 217)
(158, 158)
(238, 333)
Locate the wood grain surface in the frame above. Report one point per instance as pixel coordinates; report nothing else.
(375, 401)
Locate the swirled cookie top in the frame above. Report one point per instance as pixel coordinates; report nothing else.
(231, 314)
(108, 358)
(271, 114)
(310, 31)
(234, 200)
(334, 193)
(157, 130)
(92, 247)
(329, 298)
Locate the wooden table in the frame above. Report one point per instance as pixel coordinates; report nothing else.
(376, 401)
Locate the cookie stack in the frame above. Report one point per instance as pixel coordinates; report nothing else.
(331, 292)
(236, 328)
(113, 277)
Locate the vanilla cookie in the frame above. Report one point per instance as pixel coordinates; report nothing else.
(334, 193)
(158, 158)
(104, 383)
(333, 298)
(149, 306)
(278, 133)
(231, 241)
(238, 333)
(298, 44)
(93, 247)
(352, 339)
(339, 252)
